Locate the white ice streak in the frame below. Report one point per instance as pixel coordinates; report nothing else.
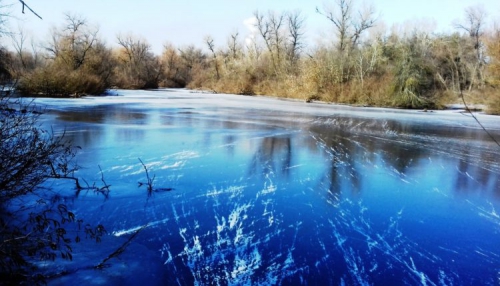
(424, 279)
(237, 215)
(126, 231)
(268, 213)
(394, 247)
(177, 164)
(230, 252)
(122, 168)
(136, 228)
(244, 267)
(235, 191)
(183, 155)
(490, 215)
(196, 251)
(172, 161)
(166, 249)
(269, 187)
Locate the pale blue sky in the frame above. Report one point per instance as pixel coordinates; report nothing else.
(188, 22)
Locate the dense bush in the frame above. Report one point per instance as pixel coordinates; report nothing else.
(54, 81)
(78, 63)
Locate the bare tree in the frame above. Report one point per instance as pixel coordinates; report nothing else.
(340, 19)
(264, 31)
(296, 32)
(135, 49)
(272, 30)
(4, 16)
(210, 43)
(27, 56)
(233, 45)
(277, 38)
(349, 28)
(142, 69)
(473, 25)
(18, 41)
(75, 41)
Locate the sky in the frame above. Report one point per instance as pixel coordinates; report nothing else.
(185, 22)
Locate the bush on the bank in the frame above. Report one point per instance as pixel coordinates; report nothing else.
(78, 63)
(52, 81)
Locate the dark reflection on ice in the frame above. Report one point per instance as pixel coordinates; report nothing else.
(277, 192)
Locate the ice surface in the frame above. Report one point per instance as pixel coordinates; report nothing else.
(269, 191)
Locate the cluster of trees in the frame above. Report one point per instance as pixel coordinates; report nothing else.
(409, 69)
(415, 69)
(76, 61)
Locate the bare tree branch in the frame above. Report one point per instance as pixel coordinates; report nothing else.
(349, 28)
(233, 45)
(296, 32)
(25, 5)
(211, 46)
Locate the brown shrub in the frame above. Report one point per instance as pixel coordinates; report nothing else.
(50, 81)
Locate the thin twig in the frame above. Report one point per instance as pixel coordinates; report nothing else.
(150, 181)
(120, 249)
(104, 189)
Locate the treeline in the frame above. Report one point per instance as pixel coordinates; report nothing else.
(414, 69)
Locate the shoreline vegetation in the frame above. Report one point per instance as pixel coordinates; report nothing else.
(359, 65)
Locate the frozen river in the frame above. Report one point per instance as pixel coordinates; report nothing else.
(267, 191)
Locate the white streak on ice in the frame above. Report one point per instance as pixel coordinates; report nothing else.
(136, 228)
(126, 231)
(236, 216)
(174, 165)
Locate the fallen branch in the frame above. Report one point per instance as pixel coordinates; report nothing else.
(120, 249)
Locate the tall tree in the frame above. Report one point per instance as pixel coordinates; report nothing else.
(295, 44)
